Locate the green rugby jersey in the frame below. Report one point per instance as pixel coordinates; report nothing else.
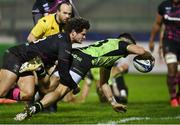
(106, 52)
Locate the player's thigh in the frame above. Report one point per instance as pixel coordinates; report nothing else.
(170, 52)
(9, 72)
(27, 84)
(7, 80)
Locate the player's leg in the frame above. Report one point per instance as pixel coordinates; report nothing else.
(178, 82)
(46, 101)
(50, 97)
(8, 73)
(169, 51)
(86, 86)
(170, 56)
(48, 84)
(102, 97)
(7, 81)
(171, 82)
(61, 90)
(27, 87)
(119, 88)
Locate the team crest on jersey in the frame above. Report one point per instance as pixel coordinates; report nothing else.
(77, 57)
(168, 9)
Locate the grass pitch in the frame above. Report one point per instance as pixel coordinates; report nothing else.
(148, 104)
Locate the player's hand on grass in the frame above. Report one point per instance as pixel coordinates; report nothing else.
(26, 114)
(119, 107)
(21, 116)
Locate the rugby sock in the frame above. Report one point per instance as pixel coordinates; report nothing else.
(38, 106)
(120, 82)
(171, 81)
(178, 82)
(16, 94)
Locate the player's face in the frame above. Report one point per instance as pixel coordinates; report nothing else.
(79, 37)
(65, 13)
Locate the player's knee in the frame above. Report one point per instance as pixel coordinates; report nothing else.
(3, 93)
(28, 95)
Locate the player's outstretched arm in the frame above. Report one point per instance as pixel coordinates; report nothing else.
(104, 77)
(138, 50)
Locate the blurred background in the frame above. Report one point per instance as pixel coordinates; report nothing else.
(108, 18)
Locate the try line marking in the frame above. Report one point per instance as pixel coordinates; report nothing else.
(125, 120)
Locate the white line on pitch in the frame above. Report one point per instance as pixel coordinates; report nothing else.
(125, 120)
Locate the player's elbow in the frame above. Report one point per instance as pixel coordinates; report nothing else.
(31, 38)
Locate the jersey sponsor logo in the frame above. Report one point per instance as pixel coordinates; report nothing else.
(168, 9)
(77, 57)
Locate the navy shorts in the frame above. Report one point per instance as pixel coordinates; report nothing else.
(172, 47)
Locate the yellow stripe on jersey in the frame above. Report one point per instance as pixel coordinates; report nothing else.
(31, 65)
(46, 26)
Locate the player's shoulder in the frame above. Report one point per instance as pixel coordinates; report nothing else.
(165, 3)
(59, 37)
(47, 19)
(114, 40)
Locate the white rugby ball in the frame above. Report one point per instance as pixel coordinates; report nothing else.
(143, 65)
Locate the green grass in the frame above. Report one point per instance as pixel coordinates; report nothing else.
(148, 104)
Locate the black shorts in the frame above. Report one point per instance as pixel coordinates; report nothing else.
(11, 62)
(173, 47)
(81, 63)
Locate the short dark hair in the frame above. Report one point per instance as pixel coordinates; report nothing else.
(63, 2)
(127, 36)
(77, 24)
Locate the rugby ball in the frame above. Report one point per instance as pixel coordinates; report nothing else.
(143, 65)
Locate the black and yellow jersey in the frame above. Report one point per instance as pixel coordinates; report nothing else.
(52, 48)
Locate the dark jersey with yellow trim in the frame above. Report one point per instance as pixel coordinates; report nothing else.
(49, 49)
(55, 47)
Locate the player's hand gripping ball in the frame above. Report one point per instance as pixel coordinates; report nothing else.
(143, 65)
